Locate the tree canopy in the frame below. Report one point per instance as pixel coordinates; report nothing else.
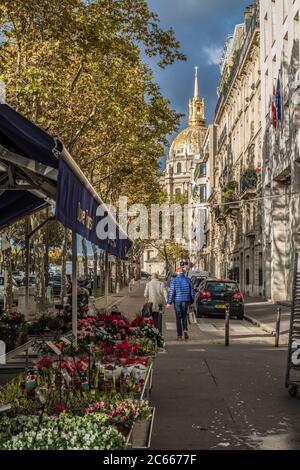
(76, 68)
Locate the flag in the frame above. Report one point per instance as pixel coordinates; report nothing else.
(274, 108)
(278, 101)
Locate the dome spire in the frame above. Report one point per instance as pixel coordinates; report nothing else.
(196, 89)
(196, 106)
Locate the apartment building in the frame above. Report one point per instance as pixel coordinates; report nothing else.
(235, 241)
(280, 31)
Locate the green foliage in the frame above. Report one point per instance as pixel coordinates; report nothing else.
(75, 68)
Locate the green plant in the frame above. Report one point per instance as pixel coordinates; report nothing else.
(250, 174)
(68, 432)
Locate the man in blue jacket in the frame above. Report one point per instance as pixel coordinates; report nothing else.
(182, 294)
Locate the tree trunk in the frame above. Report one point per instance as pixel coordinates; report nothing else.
(64, 264)
(8, 280)
(38, 245)
(94, 248)
(85, 258)
(102, 271)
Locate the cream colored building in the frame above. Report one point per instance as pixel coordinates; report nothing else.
(280, 35)
(234, 246)
(185, 147)
(184, 151)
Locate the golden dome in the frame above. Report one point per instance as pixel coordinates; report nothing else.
(188, 142)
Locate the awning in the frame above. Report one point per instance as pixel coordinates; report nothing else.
(36, 170)
(77, 206)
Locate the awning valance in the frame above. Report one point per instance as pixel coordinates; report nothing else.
(36, 170)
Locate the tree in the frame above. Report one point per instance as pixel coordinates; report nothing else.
(74, 67)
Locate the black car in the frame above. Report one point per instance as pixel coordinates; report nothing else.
(55, 283)
(215, 294)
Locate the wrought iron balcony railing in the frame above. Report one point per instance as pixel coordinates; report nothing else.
(254, 24)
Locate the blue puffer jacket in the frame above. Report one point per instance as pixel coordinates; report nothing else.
(181, 290)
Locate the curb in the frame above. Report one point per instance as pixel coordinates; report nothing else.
(263, 326)
(266, 328)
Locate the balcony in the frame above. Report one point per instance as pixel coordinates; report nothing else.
(222, 137)
(240, 55)
(230, 198)
(219, 216)
(248, 184)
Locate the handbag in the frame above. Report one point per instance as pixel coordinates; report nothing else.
(147, 309)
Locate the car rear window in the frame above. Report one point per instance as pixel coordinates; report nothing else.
(222, 287)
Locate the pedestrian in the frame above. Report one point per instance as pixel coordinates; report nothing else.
(156, 294)
(182, 294)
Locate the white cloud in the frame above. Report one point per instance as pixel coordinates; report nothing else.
(214, 54)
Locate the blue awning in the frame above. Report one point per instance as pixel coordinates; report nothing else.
(36, 170)
(77, 206)
(26, 138)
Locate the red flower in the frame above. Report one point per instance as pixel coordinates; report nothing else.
(60, 408)
(46, 361)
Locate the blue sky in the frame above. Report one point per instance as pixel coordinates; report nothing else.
(202, 27)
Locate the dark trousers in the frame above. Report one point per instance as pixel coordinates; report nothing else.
(181, 310)
(157, 318)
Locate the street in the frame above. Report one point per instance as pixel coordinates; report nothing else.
(209, 396)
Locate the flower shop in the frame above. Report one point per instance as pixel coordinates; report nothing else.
(89, 386)
(91, 394)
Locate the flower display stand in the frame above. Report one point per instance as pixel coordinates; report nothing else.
(141, 434)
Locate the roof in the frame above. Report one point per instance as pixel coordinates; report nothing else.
(189, 141)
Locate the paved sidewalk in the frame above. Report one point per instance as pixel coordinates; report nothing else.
(208, 396)
(129, 302)
(264, 314)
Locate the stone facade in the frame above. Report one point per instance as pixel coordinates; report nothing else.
(234, 236)
(280, 32)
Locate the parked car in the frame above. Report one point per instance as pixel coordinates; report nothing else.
(215, 294)
(144, 275)
(31, 280)
(55, 283)
(18, 276)
(2, 290)
(192, 273)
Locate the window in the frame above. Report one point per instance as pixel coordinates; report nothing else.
(260, 271)
(202, 170)
(295, 50)
(202, 193)
(150, 254)
(220, 287)
(177, 191)
(179, 169)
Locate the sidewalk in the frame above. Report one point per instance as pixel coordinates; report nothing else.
(208, 396)
(263, 313)
(129, 302)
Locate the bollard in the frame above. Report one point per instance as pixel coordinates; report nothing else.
(227, 318)
(277, 333)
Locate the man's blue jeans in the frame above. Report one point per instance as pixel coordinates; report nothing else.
(181, 310)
